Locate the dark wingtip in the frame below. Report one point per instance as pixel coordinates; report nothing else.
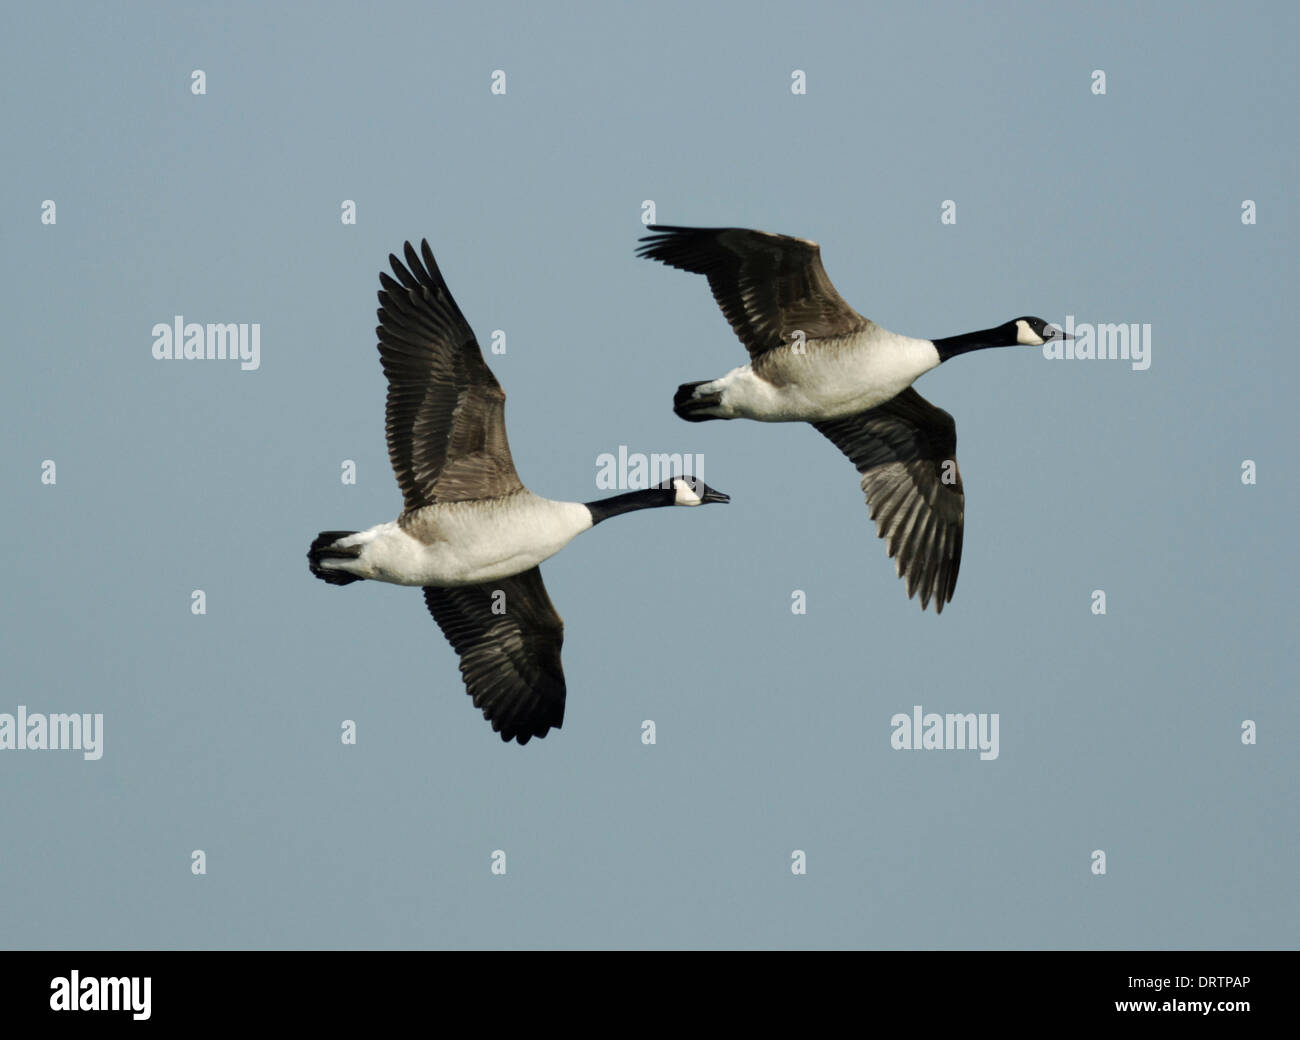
(660, 234)
(523, 736)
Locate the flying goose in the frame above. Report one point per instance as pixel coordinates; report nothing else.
(814, 359)
(470, 533)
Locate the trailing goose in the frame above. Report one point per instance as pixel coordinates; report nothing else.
(814, 359)
(470, 533)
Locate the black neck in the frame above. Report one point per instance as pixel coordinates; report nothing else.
(951, 346)
(650, 498)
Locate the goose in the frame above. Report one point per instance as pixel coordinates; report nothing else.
(814, 359)
(470, 534)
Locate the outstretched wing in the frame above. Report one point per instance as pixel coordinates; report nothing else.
(446, 411)
(906, 452)
(769, 286)
(508, 636)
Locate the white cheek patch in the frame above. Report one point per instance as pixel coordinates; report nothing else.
(1027, 336)
(685, 495)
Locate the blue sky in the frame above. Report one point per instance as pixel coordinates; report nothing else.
(1118, 732)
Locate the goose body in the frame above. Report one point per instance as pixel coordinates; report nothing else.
(814, 359)
(464, 543)
(471, 535)
(847, 375)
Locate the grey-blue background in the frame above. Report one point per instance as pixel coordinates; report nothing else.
(1119, 733)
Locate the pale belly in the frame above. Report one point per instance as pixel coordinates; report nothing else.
(467, 543)
(833, 379)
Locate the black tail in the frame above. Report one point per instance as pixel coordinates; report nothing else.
(322, 549)
(690, 407)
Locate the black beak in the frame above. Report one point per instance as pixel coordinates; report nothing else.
(715, 496)
(1058, 334)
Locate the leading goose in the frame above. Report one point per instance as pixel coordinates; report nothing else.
(814, 359)
(471, 534)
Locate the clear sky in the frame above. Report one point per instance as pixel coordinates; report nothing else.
(1119, 732)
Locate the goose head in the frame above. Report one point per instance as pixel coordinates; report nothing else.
(692, 491)
(1019, 332)
(1032, 332)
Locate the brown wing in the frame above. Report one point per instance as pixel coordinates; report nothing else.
(508, 636)
(446, 411)
(768, 286)
(906, 452)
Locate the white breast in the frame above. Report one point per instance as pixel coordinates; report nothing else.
(832, 378)
(464, 543)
